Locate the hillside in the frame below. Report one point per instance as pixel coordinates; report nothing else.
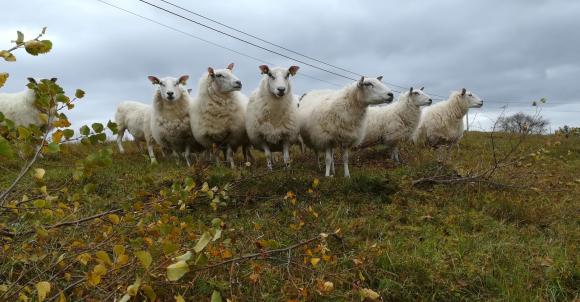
(511, 236)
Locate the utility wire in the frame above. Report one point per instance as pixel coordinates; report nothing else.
(211, 42)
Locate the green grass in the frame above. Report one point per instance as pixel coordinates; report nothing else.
(467, 241)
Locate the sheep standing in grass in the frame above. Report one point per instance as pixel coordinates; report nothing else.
(330, 119)
(135, 117)
(21, 108)
(442, 123)
(170, 125)
(218, 112)
(395, 123)
(272, 115)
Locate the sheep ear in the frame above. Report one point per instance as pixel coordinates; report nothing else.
(183, 79)
(422, 88)
(411, 90)
(380, 78)
(231, 66)
(264, 69)
(31, 80)
(293, 70)
(154, 80)
(189, 90)
(463, 91)
(361, 82)
(210, 72)
(53, 80)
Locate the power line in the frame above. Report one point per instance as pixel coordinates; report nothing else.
(210, 42)
(274, 44)
(246, 41)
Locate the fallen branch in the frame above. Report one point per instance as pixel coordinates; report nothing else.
(262, 254)
(63, 224)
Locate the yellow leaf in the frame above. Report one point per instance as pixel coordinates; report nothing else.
(3, 78)
(39, 173)
(145, 258)
(118, 250)
(184, 257)
(315, 183)
(370, 294)
(176, 270)
(84, 258)
(327, 286)
(134, 288)
(125, 298)
(205, 187)
(114, 218)
(61, 297)
(122, 260)
(42, 288)
(314, 261)
(103, 256)
(149, 292)
(202, 242)
(93, 279)
(179, 298)
(100, 269)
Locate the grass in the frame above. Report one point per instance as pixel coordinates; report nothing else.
(467, 241)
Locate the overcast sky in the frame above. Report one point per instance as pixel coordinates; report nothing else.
(508, 52)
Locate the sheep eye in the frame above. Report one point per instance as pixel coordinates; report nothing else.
(470, 94)
(219, 75)
(369, 84)
(415, 93)
(270, 75)
(161, 84)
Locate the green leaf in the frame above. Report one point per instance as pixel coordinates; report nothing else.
(176, 270)
(184, 257)
(202, 242)
(216, 296)
(68, 133)
(85, 130)
(79, 94)
(3, 78)
(113, 127)
(98, 127)
(33, 47)
(20, 38)
(145, 258)
(5, 148)
(53, 147)
(23, 133)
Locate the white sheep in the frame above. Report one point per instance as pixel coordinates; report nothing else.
(442, 123)
(330, 119)
(170, 125)
(135, 117)
(393, 124)
(218, 112)
(20, 108)
(272, 115)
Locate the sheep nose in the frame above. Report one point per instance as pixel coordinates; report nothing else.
(390, 94)
(238, 83)
(169, 93)
(281, 89)
(430, 101)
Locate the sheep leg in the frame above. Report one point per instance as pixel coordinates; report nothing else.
(120, 135)
(216, 154)
(151, 153)
(332, 170)
(268, 156)
(345, 161)
(286, 150)
(248, 157)
(328, 161)
(230, 156)
(317, 159)
(187, 155)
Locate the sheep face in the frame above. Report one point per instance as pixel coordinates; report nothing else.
(419, 98)
(470, 99)
(278, 79)
(223, 80)
(374, 92)
(170, 88)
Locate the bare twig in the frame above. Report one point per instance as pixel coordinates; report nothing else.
(63, 224)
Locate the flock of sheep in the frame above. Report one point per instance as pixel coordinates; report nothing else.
(222, 119)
